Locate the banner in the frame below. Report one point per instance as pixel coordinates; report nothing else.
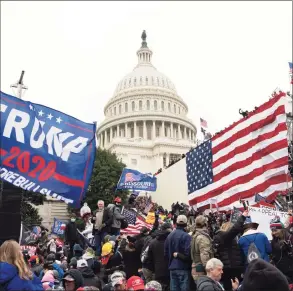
(263, 217)
(30, 249)
(44, 150)
(135, 180)
(58, 227)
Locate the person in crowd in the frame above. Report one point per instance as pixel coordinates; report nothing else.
(201, 247)
(102, 221)
(77, 255)
(115, 210)
(211, 282)
(52, 261)
(227, 250)
(282, 248)
(71, 235)
(48, 280)
(14, 272)
(131, 257)
(135, 283)
(72, 280)
(111, 261)
(153, 286)
(116, 279)
(177, 252)
(263, 276)
(141, 245)
(35, 265)
(252, 236)
(88, 275)
(156, 256)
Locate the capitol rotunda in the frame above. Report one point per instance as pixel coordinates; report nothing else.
(146, 122)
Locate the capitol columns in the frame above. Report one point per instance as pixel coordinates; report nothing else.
(189, 131)
(172, 130)
(154, 130)
(163, 129)
(126, 130)
(134, 129)
(111, 134)
(144, 130)
(179, 132)
(118, 131)
(185, 135)
(105, 138)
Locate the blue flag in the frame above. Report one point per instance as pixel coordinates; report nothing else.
(44, 150)
(58, 227)
(258, 198)
(135, 180)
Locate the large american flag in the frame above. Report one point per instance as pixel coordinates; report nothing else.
(249, 157)
(135, 223)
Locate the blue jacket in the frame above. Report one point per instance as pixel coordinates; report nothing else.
(178, 241)
(260, 240)
(57, 268)
(9, 275)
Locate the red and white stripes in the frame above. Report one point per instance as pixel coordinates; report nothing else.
(249, 157)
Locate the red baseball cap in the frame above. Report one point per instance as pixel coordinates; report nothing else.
(135, 283)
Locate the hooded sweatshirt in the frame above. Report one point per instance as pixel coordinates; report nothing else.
(78, 279)
(89, 278)
(11, 281)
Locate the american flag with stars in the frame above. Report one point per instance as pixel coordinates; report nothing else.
(249, 157)
(135, 223)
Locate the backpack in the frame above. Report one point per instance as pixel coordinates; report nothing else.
(145, 250)
(253, 253)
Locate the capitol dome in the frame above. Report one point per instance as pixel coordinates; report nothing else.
(145, 120)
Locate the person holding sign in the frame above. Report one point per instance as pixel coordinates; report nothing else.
(282, 248)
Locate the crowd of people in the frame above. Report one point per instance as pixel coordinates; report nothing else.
(183, 250)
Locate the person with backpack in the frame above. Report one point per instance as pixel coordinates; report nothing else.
(227, 250)
(145, 240)
(201, 247)
(254, 244)
(115, 210)
(282, 248)
(102, 221)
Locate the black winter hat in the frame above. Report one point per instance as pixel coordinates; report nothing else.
(262, 276)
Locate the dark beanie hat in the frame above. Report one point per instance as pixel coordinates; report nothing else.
(262, 276)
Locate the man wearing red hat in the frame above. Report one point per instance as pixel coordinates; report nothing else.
(135, 283)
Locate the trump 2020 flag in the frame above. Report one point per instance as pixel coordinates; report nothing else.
(44, 150)
(58, 227)
(250, 156)
(135, 180)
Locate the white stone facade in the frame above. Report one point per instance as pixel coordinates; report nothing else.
(146, 120)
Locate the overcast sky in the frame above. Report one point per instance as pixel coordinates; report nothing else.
(221, 56)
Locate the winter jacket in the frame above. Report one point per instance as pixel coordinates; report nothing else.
(89, 278)
(107, 220)
(131, 259)
(156, 255)
(178, 241)
(55, 267)
(205, 283)
(201, 247)
(116, 214)
(228, 250)
(282, 255)
(11, 281)
(260, 240)
(37, 269)
(71, 233)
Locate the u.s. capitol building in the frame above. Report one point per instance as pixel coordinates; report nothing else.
(146, 122)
